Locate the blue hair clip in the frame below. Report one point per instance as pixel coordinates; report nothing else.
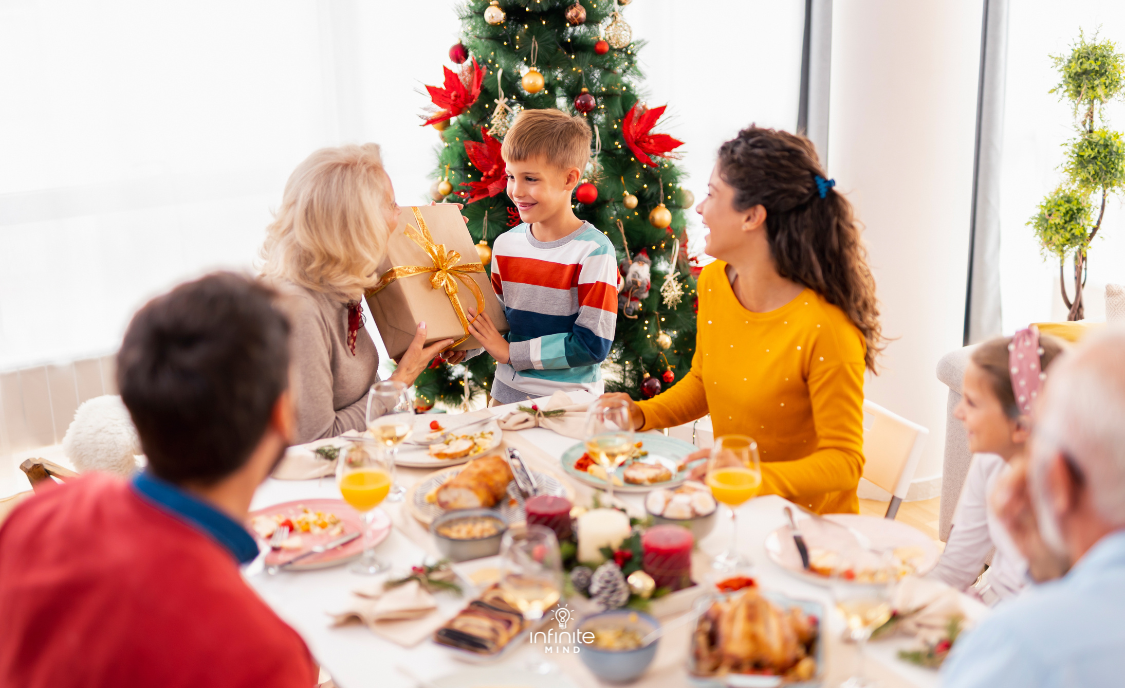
(823, 185)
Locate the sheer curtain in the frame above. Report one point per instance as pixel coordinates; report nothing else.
(1036, 126)
(145, 143)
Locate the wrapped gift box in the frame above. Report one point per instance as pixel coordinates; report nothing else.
(417, 272)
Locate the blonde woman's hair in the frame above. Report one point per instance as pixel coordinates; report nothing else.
(560, 138)
(330, 233)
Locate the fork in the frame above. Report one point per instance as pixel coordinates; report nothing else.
(280, 535)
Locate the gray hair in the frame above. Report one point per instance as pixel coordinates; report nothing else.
(1082, 415)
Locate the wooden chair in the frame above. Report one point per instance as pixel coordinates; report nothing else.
(39, 471)
(892, 447)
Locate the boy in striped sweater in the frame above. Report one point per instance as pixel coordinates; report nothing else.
(555, 274)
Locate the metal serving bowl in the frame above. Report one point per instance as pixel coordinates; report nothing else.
(463, 550)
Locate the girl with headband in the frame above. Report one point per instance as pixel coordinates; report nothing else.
(1001, 384)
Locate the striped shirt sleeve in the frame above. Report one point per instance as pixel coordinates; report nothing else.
(497, 279)
(590, 337)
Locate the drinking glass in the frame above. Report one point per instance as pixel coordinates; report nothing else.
(393, 426)
(365, 475)
(609, 436)
(862, 587)
(531, 578)
(734, 475)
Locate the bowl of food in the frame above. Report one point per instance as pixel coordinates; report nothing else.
(469, 533)
(690, 505)
(618, 652)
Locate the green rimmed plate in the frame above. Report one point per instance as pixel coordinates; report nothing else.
(667, 451)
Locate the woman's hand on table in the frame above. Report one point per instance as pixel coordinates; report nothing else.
(635, 411)
(481, 327)
(417, 357)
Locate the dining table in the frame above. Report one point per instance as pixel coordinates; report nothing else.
(358, 658)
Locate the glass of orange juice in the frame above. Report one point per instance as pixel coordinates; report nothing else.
(365, 477)
(734, 475)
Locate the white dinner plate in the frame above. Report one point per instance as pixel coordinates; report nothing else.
(666, 451)
(418, 456)
(502, 677)
(839, 533)
(510, 507)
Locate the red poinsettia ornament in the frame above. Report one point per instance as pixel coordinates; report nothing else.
(493, 172)
(458, 95)
(636, 126)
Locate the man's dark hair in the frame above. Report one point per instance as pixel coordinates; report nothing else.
(200, 370)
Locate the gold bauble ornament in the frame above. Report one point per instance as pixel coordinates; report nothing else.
(664, 341)
(618, 34)
(660, 217)
(630, 201)
(687, 198)
(533, 81)
(641, 584)
(493, 14)
(575, 14)
(441, 126)
(624, 2)
(435, 194)
(484, 251)
(444, 187)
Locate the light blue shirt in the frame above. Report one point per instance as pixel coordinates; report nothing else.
(1070, 632)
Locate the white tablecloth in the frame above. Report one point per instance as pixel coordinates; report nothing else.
(357, 658)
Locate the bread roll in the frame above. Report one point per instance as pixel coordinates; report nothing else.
(481, 484)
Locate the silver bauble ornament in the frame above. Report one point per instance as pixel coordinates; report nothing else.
(493, 14)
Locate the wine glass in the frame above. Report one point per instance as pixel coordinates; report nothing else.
(390, 419)
(365, 475)
(862, 587)
(734, 475)
(609, 436)
(531, 578)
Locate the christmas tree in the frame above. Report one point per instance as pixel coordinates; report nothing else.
(578, 57)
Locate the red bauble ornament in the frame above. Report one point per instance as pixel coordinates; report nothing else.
(585, 102)
(668, 376)
(695, 305)
(586, 193)
(459, 53)
(601, 47)
(650, 387)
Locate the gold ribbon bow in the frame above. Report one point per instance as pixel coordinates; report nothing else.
(445, 273)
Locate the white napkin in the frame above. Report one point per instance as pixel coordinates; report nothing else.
(301, 461)
(404, 615)
(570, 423)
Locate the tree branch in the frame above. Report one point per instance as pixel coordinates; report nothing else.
(1062, 283)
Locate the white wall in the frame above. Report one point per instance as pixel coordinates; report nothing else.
(1036, 125)
(902, 123)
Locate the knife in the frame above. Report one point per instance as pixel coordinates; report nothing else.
(798, 539)
(318, 549)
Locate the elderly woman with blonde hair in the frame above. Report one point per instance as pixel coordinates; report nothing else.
(323, 251)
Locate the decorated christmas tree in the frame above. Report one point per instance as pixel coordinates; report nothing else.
(578, 57)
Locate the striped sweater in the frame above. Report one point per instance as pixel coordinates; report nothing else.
(560, 298)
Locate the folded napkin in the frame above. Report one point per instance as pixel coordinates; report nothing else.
(302, 462)
(405, 615)
(925, 607)
(570, 422)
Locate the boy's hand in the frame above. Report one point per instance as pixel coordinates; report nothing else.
(485, 332)
(453, 357)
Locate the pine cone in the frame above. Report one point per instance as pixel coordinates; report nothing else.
(580, 579)
(608, 586)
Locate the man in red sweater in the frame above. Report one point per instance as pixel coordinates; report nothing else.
(134, 584)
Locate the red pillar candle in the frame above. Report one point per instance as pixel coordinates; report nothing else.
(550, 511)
(667, 556)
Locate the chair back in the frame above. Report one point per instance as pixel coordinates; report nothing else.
(892, 447)
(39, 471)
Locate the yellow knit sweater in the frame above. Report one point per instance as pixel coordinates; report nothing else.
(791, 378)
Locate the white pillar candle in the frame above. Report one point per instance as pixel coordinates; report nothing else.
(600, 528)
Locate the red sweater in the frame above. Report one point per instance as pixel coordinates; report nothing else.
(98, 587)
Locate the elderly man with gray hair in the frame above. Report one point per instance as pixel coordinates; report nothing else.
(1071, 631)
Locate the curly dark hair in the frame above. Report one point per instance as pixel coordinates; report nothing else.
(814, 241)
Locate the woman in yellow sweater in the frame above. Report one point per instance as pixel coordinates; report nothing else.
(788, 323)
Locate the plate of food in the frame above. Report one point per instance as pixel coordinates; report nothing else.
(483, 483)
(657, 461)
(486, 630)
(314, 522)
(442, 445)
(848, 546)
(755, 639)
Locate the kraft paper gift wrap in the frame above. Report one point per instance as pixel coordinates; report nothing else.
(431, 273)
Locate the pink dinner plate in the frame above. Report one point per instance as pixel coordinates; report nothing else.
(349, 517)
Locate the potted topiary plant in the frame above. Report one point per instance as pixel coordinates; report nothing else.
(1092, 75)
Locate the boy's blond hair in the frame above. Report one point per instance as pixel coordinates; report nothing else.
(563, 140)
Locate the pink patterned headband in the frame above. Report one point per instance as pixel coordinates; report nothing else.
(1023, 363)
